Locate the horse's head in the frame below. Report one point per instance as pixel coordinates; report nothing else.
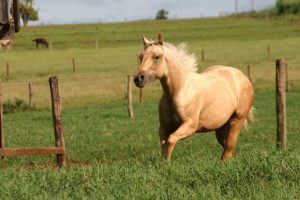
(151, 61)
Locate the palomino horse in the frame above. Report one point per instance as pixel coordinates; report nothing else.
(220, 98)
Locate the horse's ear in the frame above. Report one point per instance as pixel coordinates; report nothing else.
(160, 39)
(146, 42)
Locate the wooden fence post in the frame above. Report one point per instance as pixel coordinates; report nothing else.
(202, 55)
(7, 69)
(141, 95)
(57, 120)
(129, 93)
(73, 65)
(30, 95)
(280, 104)
(249, 73)
(1, 125)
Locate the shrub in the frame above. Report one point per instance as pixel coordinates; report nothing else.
(162, 14)
(17, 105)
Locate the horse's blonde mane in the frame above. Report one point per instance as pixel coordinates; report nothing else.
(180, 53)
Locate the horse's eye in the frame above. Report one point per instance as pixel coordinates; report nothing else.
(156, 58)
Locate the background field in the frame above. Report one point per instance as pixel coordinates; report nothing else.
(229, 41)
(113, 157)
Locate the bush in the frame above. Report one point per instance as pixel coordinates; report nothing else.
(288, 7)
(17, 105)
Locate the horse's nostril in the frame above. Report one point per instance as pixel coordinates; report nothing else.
(140, 79)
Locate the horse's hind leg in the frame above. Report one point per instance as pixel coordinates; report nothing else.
(222, 133)
(235, 125)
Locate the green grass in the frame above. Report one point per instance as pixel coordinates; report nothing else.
(113, 157)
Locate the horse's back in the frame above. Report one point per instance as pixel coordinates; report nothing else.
(221, 70)
(231, 76)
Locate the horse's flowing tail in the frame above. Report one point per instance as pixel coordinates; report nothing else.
(250, 117)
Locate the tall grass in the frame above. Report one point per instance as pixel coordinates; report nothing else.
(111, 156)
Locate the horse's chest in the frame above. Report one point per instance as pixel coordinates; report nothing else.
(176, 119)
(176, 112)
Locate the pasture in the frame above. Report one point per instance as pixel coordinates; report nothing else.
(113, 157)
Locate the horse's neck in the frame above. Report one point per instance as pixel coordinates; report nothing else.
(174, 78)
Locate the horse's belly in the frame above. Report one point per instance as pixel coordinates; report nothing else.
(209, 121)
(204, 126)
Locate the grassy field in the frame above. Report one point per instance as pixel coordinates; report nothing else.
(113, 157)
(228, 41)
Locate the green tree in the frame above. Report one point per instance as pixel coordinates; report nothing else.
(162, 14)
(27, 12)
(288, 7)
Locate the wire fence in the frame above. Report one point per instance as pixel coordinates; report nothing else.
(102, 88)
(105, 88)
(99, 90)
(78, 92)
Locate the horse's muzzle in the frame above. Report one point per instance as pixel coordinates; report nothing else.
(141, 79)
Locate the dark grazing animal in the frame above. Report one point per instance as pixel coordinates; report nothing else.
(42, 41)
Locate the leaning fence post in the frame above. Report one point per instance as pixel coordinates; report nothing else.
(129, 94)
(30, 95)
(280, 104)
(1, 124)
(57, 120)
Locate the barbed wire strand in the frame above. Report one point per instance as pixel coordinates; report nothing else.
(253, 66)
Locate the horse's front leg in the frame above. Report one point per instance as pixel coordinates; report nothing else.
(186, 129)
(163, 136)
